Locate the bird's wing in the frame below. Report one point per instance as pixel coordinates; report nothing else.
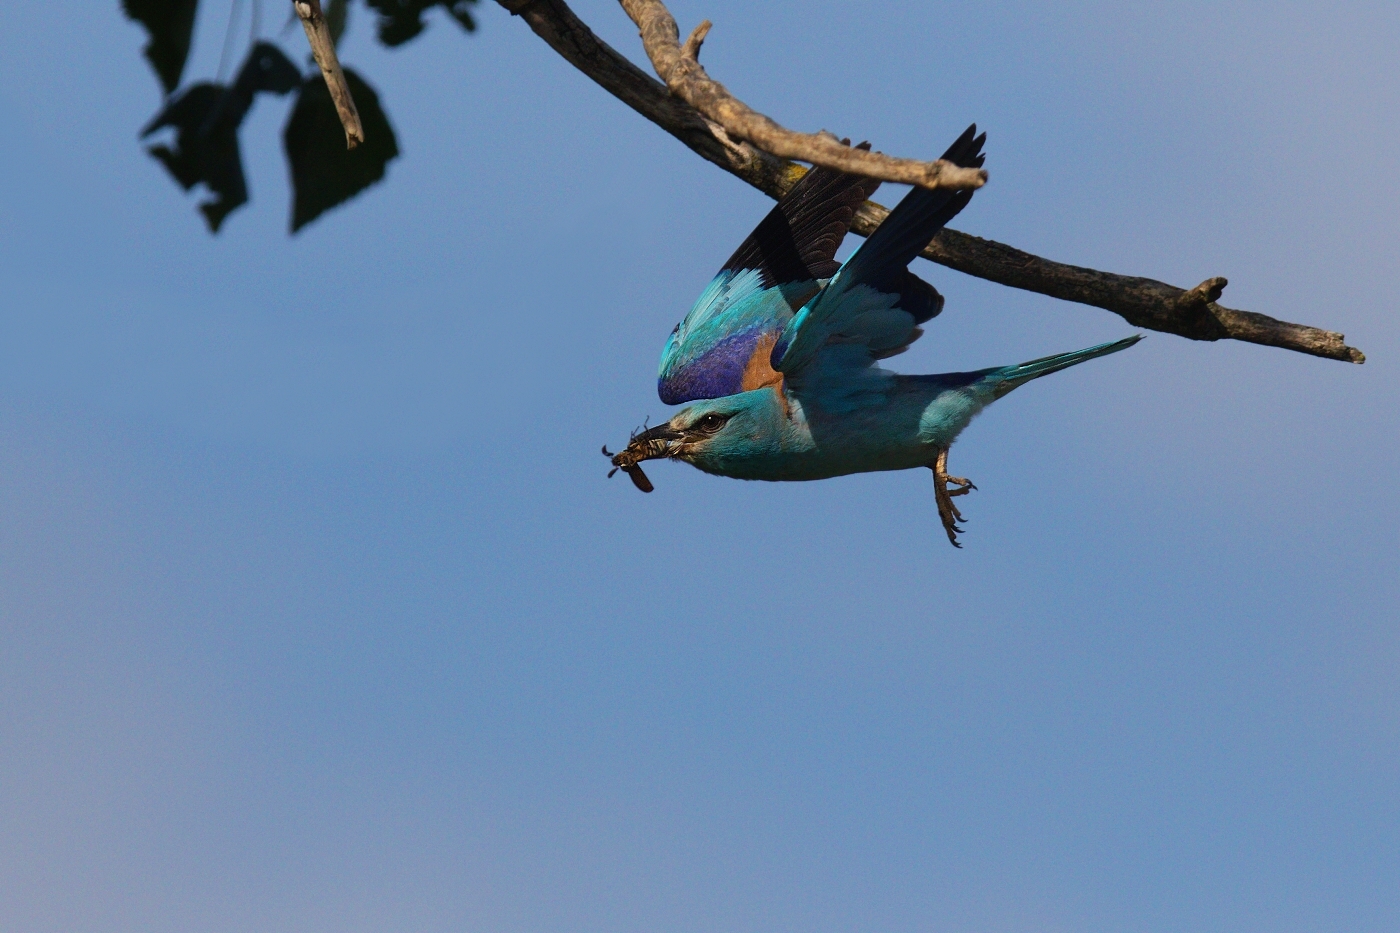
(873, 305)
(723, 346)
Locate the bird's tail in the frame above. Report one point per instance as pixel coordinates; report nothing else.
(1009, 377)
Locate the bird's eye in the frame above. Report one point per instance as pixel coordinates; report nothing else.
(711, 422)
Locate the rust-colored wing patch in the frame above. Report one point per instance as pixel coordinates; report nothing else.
(759, 371)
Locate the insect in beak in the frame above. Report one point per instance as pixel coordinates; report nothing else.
(646, 444)
(633, 471)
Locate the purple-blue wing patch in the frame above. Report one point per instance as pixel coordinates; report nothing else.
(730, 330)
(717, 373)
(728, 335)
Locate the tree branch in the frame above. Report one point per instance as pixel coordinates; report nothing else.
(680, 68)
(318, 33)
(1142, 302)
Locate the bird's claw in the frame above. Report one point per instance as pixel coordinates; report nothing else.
(965, 486)
(948, 512)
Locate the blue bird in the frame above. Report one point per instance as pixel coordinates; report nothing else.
(779, 354)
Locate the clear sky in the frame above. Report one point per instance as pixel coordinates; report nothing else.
(318, 614)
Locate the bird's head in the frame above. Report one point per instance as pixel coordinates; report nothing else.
(705, 435)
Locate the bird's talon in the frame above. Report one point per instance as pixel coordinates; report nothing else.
(948, 512)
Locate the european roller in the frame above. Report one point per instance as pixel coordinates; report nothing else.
(780, 353)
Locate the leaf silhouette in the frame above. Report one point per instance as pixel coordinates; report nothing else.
(206, 118)
(401, 20)
(169, 23)
(337, 17)
(324, 172)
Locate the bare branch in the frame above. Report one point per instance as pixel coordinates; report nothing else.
(691, 49)
(323, 48)
(1142, 302)
(680, 68)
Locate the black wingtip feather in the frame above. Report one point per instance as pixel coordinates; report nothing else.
(798, 239)
(966, 150)
(913, 222)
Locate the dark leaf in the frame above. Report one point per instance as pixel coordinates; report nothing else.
(267, 68)
(324, 172)
(169, 24)
(206, 118)
(337, 15)
(205, 148)
(401, 20)
(461, 12)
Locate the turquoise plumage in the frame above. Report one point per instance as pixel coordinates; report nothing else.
(779, 355)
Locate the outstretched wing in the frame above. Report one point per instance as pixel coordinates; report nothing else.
(873, 305)
(724, 344)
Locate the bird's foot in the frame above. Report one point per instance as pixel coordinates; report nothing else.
(947, 511)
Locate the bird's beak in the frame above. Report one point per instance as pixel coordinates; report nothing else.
(655, 443)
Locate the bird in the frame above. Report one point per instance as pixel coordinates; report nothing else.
(779, 357)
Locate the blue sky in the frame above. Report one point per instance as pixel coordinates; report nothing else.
(317, 613)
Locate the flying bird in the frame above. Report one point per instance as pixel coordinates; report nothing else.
(780, 353)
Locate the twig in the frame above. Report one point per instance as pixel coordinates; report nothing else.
(679, 67)
(1142, 302)
(323, 48)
